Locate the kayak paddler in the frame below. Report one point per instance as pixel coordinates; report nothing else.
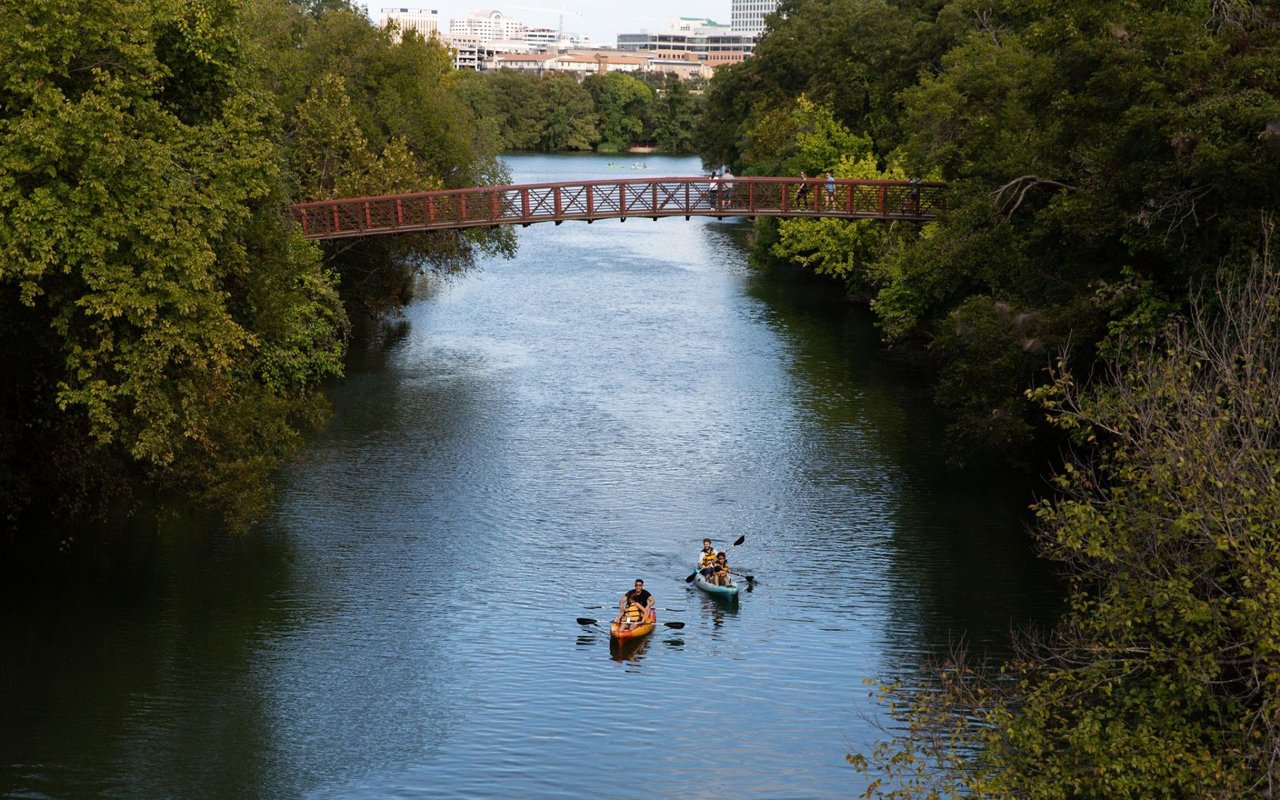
(636, 607)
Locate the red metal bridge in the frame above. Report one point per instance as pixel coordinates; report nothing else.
(525, 204)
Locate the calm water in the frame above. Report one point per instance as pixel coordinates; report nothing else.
(532, 437)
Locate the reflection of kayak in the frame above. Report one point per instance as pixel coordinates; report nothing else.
(623, 650)
(727, 592)
(616, 631)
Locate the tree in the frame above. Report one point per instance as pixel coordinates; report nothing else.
(1161, 679)
(569, 123)
(621, 104)
(514, 106)
(172, 327)
(675, 116)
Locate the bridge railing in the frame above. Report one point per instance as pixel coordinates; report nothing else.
(525, 204)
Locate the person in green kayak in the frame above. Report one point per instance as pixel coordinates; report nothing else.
(720, 571)
(636, 607)
(707, 558)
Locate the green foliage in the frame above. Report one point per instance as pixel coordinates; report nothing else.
(363, 114)
(162, 328)
(675, 116)
(807, 138)
(569, 117)
(509, 102)
(1161, 681)
(1102, 159)
(621, 102)
(606, 113)
(181, 328)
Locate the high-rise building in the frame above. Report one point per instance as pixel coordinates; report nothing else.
(746, 17)
(426, 23)
(487, 26)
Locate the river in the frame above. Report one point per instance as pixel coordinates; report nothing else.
(531, 437)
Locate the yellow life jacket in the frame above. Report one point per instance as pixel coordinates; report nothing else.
(708, 559)
(634, 612)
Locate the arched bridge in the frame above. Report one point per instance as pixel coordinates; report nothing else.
(525, 204)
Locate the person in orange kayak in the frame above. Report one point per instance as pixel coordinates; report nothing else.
(636, 607)
(707, 558)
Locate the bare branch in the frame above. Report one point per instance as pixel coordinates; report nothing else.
(1018, 188)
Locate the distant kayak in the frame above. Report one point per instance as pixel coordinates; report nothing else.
(731, 590)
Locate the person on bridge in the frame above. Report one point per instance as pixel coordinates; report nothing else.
(831, 190)
(707, 558)
(726, 187)
(635, 608)
(713, 191)
(804, 188)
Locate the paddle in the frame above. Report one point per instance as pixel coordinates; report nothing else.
(736, 542)
(589, 621)
(751, 579)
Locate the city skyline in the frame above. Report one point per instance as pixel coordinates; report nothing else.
(601, 22)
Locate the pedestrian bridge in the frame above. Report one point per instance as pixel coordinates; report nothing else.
(525, 204)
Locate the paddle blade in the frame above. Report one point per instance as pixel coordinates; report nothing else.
(586, 621)
(740, 540)
(692, 575)
(675, 625)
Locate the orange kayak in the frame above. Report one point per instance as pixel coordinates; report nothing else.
(617, 631)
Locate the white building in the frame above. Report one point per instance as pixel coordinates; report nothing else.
(579, 63)
(746, 17)
(486, 26)
(705, 40)
(426, 23)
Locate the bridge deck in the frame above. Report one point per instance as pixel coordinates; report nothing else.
(526, 204)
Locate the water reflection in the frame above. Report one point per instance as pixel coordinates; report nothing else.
(630, 651)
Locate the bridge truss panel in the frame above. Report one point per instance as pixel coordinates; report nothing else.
(450, 209)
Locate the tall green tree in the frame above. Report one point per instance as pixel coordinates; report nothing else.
(364, 113)
(1101, 159)
(160, 319)
(511, 102)
(1161, 680)
(675, 116)
(570, 119)
(621, 104)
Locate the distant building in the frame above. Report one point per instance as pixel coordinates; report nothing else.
(468, 53)
(486, 26)
(426, 23)
(575, 62)
(707, 41)
(746, 17)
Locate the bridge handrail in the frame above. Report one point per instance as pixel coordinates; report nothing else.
(620, 198)
(702, 179)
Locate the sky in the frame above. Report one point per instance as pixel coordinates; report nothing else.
(602, 20)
